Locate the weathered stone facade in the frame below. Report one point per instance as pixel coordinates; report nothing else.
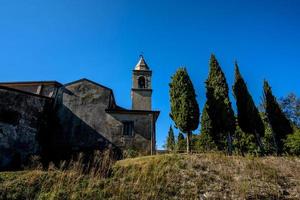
(22, 117)
(55, 120)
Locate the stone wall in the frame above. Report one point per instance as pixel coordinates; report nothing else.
(81, 118)
(143, 128)
(141, 99)
(22, 118)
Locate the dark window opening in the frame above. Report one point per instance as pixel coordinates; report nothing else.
(142, 82)
(10, 117)
(128, 128)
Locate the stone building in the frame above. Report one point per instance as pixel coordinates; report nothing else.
(54, 120)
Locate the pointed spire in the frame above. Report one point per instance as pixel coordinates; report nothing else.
(141, 65)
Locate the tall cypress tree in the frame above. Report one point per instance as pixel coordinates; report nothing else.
(184, 107)
(248, 116)
(170, 140)
(280, 125)
(219, 107)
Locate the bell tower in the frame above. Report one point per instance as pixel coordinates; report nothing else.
(141, 91)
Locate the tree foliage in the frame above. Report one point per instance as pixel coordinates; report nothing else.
(181, 143)
(184, 107)
(245, 143)
(219, 108)
(170, 140)
(290, 105)
(206, 121)
(205, 141)
(268, 139)
(280, 125)
(292, 143)
(249, 119)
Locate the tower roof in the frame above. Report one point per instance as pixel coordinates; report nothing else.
(142, 65)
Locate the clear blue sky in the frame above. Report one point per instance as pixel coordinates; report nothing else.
(101, 40)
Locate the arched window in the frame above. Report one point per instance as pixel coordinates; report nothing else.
(142, 82)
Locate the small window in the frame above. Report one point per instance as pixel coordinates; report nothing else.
(128, 128)
(142, 82)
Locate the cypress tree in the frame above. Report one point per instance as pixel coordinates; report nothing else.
(181, 144)
(205, 141)
(184, 107)
(219, 107)
(280, 125)
(249, 119)
(268, 139)
(170, 140)
(206, 122)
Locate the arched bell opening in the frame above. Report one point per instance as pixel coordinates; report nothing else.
(142, 82)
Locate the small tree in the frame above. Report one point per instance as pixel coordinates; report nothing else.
(206, 121)
(219, 107)
(170, 140)
(268, 139)
(247, 114)
(290, 105)
(181, 143)
(280, 125)
(245, 143)
(184, 106)
(205, 141)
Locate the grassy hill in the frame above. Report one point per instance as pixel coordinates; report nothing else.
(203, 176)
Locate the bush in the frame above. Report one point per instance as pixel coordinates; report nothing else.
(204, 143)
(268, 142)
(245, 143)
(292, 143)
(181, 143)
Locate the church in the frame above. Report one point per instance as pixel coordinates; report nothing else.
(53, 119)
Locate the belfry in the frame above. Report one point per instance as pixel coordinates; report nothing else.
(141, 91)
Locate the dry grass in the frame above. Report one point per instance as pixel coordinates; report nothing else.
(173, 176)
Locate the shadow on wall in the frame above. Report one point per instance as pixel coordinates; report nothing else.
(67, 135)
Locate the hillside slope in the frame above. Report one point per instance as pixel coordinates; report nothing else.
(204, 176)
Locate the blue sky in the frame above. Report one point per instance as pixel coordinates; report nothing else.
(101, 40)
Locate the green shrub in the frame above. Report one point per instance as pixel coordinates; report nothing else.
(245, 143)
(292, 143)
(204, 143)
(181, 143)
